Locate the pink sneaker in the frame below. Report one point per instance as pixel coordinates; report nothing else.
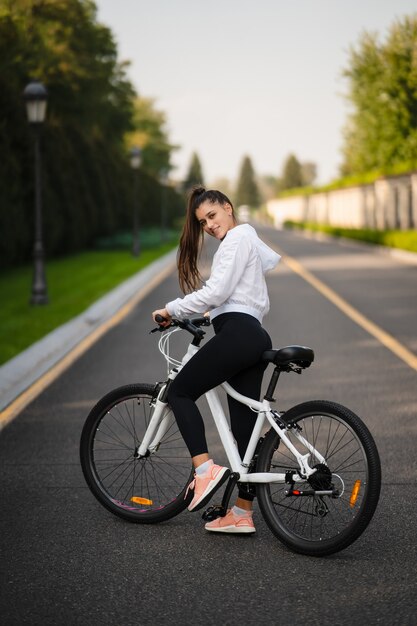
(232, 523)
(204, 486)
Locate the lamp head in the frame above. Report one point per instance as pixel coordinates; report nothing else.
(35, 96)
(135, 157)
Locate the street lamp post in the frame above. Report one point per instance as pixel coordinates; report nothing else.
(135, 162)
(35, 96)
(163, 179)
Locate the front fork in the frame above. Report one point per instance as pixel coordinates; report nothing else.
(157, 427)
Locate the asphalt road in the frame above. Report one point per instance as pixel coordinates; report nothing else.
(66, 560)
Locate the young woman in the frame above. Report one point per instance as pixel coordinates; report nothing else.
(236, 297)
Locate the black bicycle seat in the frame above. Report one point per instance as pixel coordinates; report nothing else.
(301, 356)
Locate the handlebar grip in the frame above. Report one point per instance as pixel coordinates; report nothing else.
(159, 319)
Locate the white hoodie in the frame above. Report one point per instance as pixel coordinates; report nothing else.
(237, 282)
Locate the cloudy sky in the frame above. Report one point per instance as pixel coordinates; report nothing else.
(256, 77)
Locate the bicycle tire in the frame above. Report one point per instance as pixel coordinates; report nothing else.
(108, 450)
(321, 525)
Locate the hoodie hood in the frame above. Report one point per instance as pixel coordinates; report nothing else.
(269, 258)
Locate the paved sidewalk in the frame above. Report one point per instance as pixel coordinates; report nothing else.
(26, 368)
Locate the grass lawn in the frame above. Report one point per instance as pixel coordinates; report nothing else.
(73, 284)
(402, 239)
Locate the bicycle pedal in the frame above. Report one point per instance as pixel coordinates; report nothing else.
(213, 512)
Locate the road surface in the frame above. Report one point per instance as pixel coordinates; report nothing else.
(66, 560)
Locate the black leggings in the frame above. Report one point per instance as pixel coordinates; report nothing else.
(232, 355)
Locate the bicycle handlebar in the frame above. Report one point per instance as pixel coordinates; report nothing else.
(190, 324)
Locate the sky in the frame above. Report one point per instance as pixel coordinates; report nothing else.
(262, 78)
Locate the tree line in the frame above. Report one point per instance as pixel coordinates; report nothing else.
(381, 131)
(380, 135)
(94, 116)
(246, 192)
(251, 189)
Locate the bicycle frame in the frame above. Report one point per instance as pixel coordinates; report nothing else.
(138, 468)
(159, 424)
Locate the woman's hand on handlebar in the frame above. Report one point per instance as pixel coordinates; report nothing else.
(166, 317)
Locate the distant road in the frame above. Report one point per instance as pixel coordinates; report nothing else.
(65, 560)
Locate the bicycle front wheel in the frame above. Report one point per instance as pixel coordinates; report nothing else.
(306, 522)
(150, 489)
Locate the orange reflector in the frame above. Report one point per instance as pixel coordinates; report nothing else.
(138, 500)
(355, 492)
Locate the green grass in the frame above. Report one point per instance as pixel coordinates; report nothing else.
(402, 239)
(74, 283)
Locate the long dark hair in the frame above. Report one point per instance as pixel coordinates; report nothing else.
(192, 237)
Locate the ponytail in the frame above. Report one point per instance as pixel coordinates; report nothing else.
(192, 237)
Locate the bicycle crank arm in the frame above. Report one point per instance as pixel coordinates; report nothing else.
(220, 510)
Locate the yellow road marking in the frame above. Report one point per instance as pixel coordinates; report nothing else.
(381, 335)
(14, 408)
(11, 411)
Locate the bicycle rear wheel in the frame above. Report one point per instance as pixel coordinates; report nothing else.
(147, 490)
(320, 525)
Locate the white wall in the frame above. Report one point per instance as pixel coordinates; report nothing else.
(387, 203)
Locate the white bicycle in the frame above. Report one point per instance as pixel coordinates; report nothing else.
(316, 472)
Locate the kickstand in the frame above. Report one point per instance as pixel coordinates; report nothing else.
(220, 510)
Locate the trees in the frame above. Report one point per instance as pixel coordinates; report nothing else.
(195, 173)
(151, 135)
(292, 176)
(296, 174)
(308, 172)
(87, 190)
(247, 190)
(381, 130)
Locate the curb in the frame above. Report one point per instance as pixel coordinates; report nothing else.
(21, 372)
